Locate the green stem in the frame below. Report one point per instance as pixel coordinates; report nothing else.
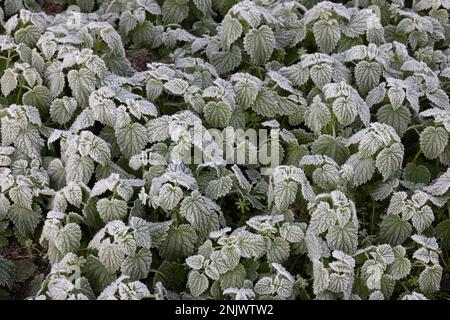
(372, 219)
(8, 58)
(416, 156)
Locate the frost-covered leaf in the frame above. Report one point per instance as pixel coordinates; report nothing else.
(229, 31)
(179, 243)
(327, 34)
(113, 209)
(219, 188)
(197, 283)
(430, 279)
(131, 138)
(259, 44)
(389, 160)
(433, 141)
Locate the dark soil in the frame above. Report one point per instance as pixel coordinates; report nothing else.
(52, 8)
(18, 254)
(139, 58)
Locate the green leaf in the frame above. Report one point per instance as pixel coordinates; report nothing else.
(174, 11)
(259, 44)
(443, 233)
(218, 114)
(113, 209)
(180, 242)
(137, 266)
(416, 173)
(396, 117)
(7, 272)
(327, 34)
(82, 83)
(433, 141)
(8, 82)
(99, 277)
(61, 110)
(194, 209)
(131, 138)
(389, 160)
(430, 279)
(39, 97)
(367, 75)
(197, 283)
(219, 188)
(394, 230)
(229, 31)
(332, 147)
(233, 278)
(24, 219)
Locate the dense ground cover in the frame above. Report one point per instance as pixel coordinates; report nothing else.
(102, 101)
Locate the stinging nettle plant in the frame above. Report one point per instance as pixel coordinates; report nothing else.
(104, 103)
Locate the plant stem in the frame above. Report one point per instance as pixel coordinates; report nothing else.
(416, 156)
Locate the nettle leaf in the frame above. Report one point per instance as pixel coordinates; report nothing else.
(441, 185)
(229, 31)
(68, 239)
(226, 60)
(8, 82)
(137, 266)
(343, 238)
(39, 97)
(180, 242)
(367, 75)
(317, 116)
(82, 83)
(440, 98)
(7, 272)
(61, 110)
(197, 283)
(131, 138)
(327, 34)
(394, 230)
(169, 196)
(24, 219)
(79, 169)
(430, 279)
(278, 250)
(176, 86)
(217, 114)
(389, 160)
(345, 110)
(196, 210)
(219, 188)
(174, 11)
(284, 194)
(113, 209)
(110, 255)
(259, 44)
(433, 141)
(321, 74)
(397, 117)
